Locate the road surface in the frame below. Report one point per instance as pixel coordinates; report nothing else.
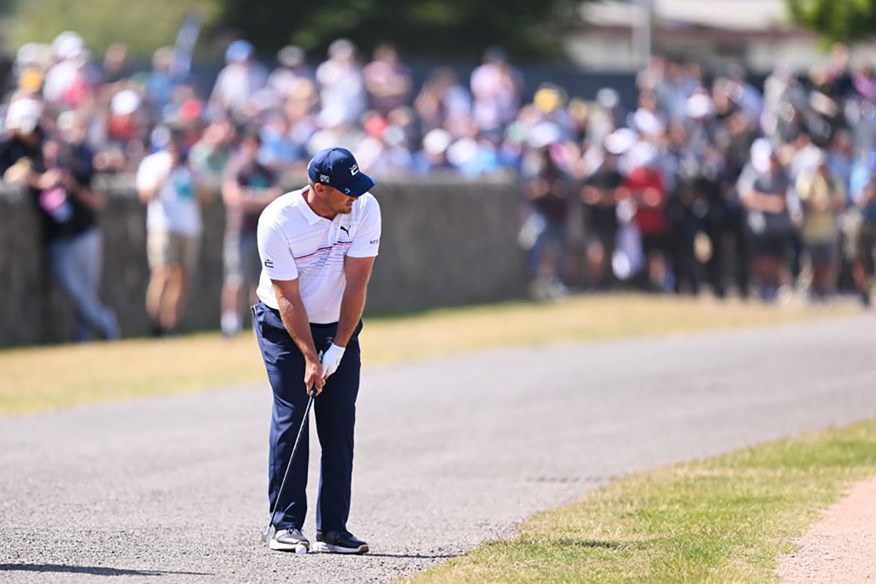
(451, 452)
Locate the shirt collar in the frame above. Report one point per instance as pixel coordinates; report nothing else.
(311, 217)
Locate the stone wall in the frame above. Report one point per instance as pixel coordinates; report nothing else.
(444, 242)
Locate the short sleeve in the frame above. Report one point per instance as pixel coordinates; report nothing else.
(366, 242)
(274, 250)
(745, 183)
(151, 171)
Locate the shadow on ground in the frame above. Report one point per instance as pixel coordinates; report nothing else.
(93, 570)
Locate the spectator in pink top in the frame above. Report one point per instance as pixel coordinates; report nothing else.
(496, 88)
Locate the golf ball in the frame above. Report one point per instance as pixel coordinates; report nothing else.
(300, 549)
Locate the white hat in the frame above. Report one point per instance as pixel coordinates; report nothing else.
(641, 155)
(33, 54)
(23, 115)
(620, 141)
(462, 151)
(607, 98)
(125, 102)
(291, 56)
(700, 106)
(68, 45)
(437, 141)
(545, 134)
(341, 49)
(648, 123)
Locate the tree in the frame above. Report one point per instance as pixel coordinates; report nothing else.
(835, 20)
(450, 29)
(142, 26)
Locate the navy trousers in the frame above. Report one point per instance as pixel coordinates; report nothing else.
(335, 412)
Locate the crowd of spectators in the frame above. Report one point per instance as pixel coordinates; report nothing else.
(708, 180)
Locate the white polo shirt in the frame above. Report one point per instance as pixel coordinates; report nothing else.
(176, 207)
(294, 242)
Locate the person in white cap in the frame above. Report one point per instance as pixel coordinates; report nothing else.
(764, 189)
(237, 82)
(317, 246)
(646, 188)
(70, 55)
(58, 176)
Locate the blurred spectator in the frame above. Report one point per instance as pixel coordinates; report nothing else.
(764, 189)
(247, 189)
(386, 152)
(210, 155)
(291, 68)
(115, 65)
(600, 195)
(280, 147)
(159, 82)
(341, 87)
(237, 83)
(862, 226)
(549, 193)
(646, 189)
(173, 196)
(58, 176)
(823, 196)
(303, 122)
(839, 73)
(68, 80)
(443, 102)
(433, 156)
(125, 123)
(496, 89)
(550, 102)
(7, 63)
(387, 80)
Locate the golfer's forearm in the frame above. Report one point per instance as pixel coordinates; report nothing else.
(352, 305)
(295, 320)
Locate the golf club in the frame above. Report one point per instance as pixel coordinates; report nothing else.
(266, 534)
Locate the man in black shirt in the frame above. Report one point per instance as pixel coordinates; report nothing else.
(247, 189)
(58, 177)
(599, 195)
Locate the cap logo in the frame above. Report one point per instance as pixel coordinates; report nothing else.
(324, 178)
(354, 170)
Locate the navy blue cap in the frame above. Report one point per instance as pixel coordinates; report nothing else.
(337, 168)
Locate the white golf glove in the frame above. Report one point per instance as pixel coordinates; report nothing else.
(331, 358)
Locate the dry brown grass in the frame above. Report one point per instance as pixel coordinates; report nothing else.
(35, 379)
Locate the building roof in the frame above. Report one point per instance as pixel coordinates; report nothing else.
(741, 15)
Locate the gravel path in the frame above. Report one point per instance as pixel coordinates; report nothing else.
(450, 452)
(841, 547)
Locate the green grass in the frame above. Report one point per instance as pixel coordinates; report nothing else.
(43, 378)
(721, 520)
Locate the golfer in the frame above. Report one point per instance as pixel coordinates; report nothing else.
(317, 247)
